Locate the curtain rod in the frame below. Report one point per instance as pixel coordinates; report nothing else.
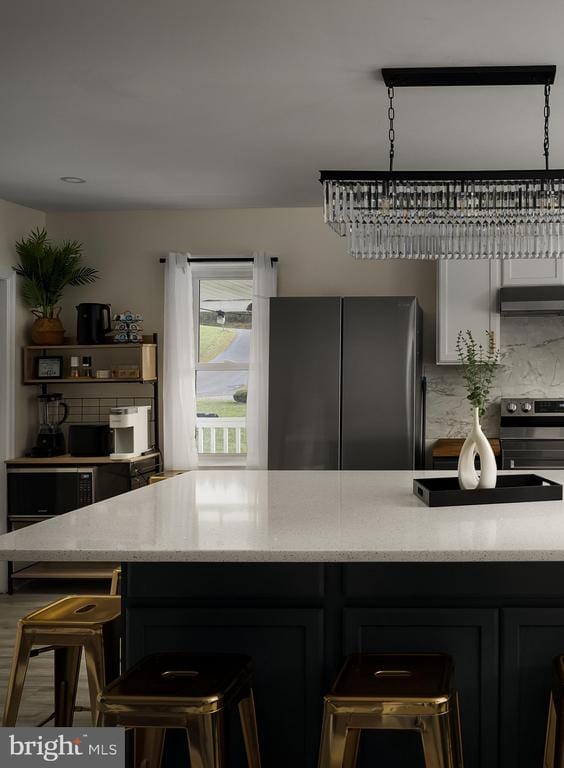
(273, 259)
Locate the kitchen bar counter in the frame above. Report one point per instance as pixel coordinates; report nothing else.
(297, 569)
(259, 516)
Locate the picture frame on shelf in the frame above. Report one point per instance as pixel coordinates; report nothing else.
(49, 367)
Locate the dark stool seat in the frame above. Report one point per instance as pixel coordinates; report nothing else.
(183, 690)
(554, 746)
(411, 691)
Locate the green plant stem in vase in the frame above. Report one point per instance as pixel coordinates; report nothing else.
(46, 270)
(479, 367)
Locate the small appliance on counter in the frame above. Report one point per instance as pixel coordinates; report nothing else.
(50, 439)
(89, 440)
(130, 428)
(94, 323)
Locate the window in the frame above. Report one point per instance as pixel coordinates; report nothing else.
(222, 322)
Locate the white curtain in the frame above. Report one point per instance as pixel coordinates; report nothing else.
(264, 286)
(179, 387)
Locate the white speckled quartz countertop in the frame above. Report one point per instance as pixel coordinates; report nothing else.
(260, 516)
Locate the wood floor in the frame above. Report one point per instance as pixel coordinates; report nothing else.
(37, 701)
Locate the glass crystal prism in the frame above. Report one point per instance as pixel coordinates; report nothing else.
(462, 219)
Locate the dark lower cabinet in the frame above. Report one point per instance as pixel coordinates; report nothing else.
(502, 623)
(469, 635)
(286, 646)
(531, 638)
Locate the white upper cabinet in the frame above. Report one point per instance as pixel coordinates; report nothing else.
(532, 272)
(466, 299)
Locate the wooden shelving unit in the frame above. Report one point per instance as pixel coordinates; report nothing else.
(142, 355)
(104, 356)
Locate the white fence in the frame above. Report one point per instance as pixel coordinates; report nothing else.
(221, 435)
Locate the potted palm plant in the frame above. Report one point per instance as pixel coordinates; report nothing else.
(46, 270)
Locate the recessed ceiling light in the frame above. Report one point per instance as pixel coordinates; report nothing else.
(73, 179)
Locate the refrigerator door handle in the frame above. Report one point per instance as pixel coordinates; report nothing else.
(423, 420)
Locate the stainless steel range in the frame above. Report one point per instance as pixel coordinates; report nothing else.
(532, 433)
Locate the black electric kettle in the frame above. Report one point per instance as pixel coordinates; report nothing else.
(94, 322)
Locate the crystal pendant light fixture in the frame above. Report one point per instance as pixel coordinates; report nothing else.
(450, 215)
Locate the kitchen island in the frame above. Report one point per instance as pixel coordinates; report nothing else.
(299, 568)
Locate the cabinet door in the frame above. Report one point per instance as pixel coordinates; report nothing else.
(532, 272)
(286, 646)
(532, 637)
(470, 636)
(466, 299)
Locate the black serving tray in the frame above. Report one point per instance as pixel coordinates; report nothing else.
(446, 492)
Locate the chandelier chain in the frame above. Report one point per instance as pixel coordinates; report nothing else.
(546, 144)
(391, 129)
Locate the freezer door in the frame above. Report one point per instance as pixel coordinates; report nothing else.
(304, 377)
(381, 383)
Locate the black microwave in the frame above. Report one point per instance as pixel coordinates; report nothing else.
(35, 493)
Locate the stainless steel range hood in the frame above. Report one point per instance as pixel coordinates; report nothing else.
(532, 300)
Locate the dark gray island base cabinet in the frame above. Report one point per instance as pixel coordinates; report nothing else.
(502, 623)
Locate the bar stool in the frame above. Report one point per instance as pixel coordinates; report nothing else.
(115, 586)
(68, 626)
(392, 691)
(183, 690)
(554, 745)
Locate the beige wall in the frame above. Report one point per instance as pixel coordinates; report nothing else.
(15, 221)
(125, 247)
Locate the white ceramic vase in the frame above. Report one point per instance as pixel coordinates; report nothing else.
(476, 443)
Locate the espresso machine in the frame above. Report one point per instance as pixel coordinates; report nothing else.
(130, 431)
(52, 411)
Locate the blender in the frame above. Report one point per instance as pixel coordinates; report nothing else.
(52, 413)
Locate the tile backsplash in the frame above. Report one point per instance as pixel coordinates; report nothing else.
(532, 365)
(96, 410)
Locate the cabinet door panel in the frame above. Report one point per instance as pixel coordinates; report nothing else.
(531, 639)
(532, 272)
(466, 299)
(286, 646)
(470, 636)
(232, 581)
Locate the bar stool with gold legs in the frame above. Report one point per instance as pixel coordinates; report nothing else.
(183, 690)
(554, 745)
(115, 586)
(68, 626)
(392, 691)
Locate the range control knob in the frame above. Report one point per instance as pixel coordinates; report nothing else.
(511, 407)
(526, 407)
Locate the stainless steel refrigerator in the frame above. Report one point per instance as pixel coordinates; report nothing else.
(345, 383)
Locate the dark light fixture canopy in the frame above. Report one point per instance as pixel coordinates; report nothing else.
(73, 180)
(417, 77)
(450, 214)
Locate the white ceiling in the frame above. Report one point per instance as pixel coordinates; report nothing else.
(238, 103)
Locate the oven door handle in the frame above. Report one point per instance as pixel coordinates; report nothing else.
(542, 464)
